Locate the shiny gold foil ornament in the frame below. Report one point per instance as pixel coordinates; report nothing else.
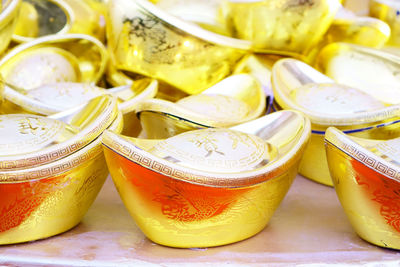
(326, 103)
(46, 17)
(144, 39)
(9, 10)
(55, 58)
(366, 175)
(208, 187)
(232, 101)
(50, 170)
(282, 27)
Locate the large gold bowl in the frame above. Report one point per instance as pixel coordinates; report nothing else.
(9, 10)
(46, 187)
(300, 87)
(366, 175)
(280, 26)
(144, 39)
(208, 187)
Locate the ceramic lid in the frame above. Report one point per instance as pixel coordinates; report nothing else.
(216, 150)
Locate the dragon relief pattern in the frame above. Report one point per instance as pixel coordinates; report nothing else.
(19, 200)
(382, 190)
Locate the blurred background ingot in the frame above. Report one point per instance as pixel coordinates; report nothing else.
(234, 100)
(388, 11)
(298, 86)
(144, 39)
(9, 10)
(39, 18)
(371, 70)
(281, 27)
(46, 186)
(208, 187)
(55, 58)
(366, 175)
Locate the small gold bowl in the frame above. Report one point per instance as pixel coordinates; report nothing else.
(144, 39)
(387, 10)
(282, 27)
(234, 100)
(208, 187)
(8, 15)
(366, 175)
(39, 18)
(300, 87)
(54, 58)
(48, 183)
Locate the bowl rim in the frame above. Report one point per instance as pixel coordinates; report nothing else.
(351, 119)
(120, 145)
(48, 40)
(191, 28)
(344, 143)
(61, 150)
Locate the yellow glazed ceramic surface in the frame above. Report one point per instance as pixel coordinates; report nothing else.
(371, 70)
(366, 175)
(8, 15)
(208, 187)
(282, 27)
(44, 195)
(298, 86)
(55, 58)
(388, 11)
(45, 17)
(234, 100)
(144, 39)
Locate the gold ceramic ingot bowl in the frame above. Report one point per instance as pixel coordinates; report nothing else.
(48, 196)
(370, 70)
(56, 97)
(144, 39)
(45, 17)
(282, 27)
(232, 101)
(366, 175)
(298, 86)
(8, 15)
(55, 58)
(388, 11)
(208, 187)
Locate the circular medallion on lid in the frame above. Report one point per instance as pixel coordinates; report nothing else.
(23, 133)
(216, 150)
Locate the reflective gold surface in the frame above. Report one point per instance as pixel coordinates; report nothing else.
(31, 140)
(208, 187)
(55, 58)
(365, 173)
(299, 86)
(234, 100)
(45, 17)
(8, 15)
(281, 27)
(51, 171)
(388, 11)
(56, 97)
(146, 40)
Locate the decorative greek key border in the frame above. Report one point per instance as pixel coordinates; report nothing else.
(55, 168)
(66, 148)
(121, 147)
